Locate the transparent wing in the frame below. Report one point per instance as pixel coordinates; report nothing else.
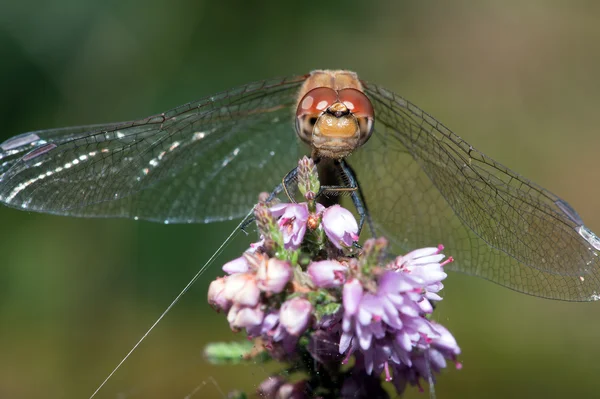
(200, 162)
(424, 185)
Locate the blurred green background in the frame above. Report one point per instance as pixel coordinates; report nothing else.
(518, 80)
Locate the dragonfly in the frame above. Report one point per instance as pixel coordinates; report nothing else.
(412, 178)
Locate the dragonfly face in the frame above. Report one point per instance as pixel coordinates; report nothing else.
(333, 115)
(207, 161)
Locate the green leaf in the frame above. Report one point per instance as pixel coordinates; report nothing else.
(234, 353)
(237, 395)
(327, 309)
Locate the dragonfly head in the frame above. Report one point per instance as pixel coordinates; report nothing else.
(334, 122)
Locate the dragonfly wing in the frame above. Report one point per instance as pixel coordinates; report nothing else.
(200, 162)
(432, 187)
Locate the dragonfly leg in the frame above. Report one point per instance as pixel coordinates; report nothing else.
(283, 186)
(246, 223)
(353, 188)
(287, 180)
(358, 199)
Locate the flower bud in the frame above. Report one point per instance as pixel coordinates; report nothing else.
(242, 289)
(351, 296)
(295, 315)
(292, 224)
(216, 297)
(297, 390)
(269, 387)
(340, 226)
(264, 219)
(238, 265)
(244, 317)
(327, 273)
(308, 178)
(273, 275)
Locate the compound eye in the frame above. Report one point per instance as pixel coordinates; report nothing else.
(316, 101)
(357, 102)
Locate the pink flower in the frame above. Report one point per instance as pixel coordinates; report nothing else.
(445, 343)
(340, 226)
(269, 387)
(295, 315)
(244, 317)
(351, 296)
(279, 342)
(297, 390)
(424, 265)
(279, 209)
(318, 307)
(216, 296)
(429, 359)
(268, 326)
(292, 223)
(242, 289)
(273, 275)
(238, 265)
(385, 324)
(327, 273)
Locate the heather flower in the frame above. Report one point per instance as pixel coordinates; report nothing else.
(327, 273)
(242, 289)
(424, 265)
(268, 327)
(303, 302)
(385, 323)
(295, 315)
(292, 222)
(278, 340)
(244, 317)
(216, 296)
(263, 217)
(297, 390)
(445, 343)
(278, 209)
(429, 358)
(238, 265)
(308, 179)
(340, 226)
(269, 387)
(255, 246)
(273, 275)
